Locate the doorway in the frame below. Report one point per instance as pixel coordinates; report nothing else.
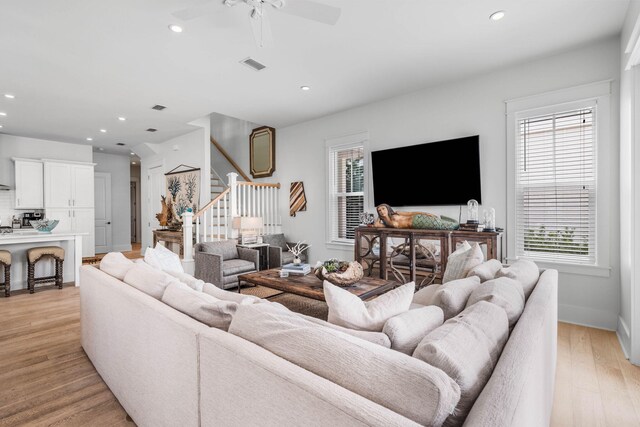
(134, 211)
(102, 188)
(156, 180)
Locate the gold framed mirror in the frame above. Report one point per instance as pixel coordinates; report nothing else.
(262, 151)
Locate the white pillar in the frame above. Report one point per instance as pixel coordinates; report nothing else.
(233, 203)
(187, 242)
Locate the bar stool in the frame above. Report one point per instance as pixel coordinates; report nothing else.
(5, 261)
(36, 254)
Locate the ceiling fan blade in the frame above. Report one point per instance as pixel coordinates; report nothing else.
(312, 10)
(262, 31)
(197, 11)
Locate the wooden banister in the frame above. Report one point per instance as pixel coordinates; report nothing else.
(211, 203)
(230, 160)
(260, 184)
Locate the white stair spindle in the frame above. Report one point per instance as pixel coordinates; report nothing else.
(211, 222)
(204, 223)
(226, 219)
(218, 222)
(198, 230)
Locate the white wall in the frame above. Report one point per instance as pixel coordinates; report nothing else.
(30, 148)
(193, 149)
(119, 168)
(469, 107)
(628, 192)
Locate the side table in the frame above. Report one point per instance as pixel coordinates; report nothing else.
(263, 249)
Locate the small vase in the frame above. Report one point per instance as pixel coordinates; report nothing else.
(297, 261)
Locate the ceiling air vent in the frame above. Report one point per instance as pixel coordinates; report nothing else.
(158, 107)
(120, 143)
(151, 130)
(253, 64)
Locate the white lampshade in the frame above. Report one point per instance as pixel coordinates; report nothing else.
(247, 222)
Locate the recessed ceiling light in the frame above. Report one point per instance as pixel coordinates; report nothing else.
(133, 154)
(103, 130)
(133, 163)
(305, 88)
(101, 149)
(8, 95)
(496, 16)
(89, 139)
(175, 28)
(122, 119)
(0, 126)
(3, 114)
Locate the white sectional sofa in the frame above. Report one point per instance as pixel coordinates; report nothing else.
(167, 369)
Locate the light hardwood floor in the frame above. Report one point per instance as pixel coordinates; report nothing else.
(46, 379)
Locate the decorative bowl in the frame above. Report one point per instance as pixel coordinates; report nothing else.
(44, 225)
(340, 273)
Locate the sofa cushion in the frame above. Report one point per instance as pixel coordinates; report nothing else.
(426, 295)
(460, 262)
(452, 296)
(221, 294)
(524, 271)
(163, 259)
(187, 279)
(116, 264)
(406, 330)
(233, 267)
(503, 292)
(487, 270)
(346, 309)
(467, 348)
(389, 378)
(275, 240)
(149, 280)
(203, 307)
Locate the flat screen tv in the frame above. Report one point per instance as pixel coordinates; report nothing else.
(436, 173)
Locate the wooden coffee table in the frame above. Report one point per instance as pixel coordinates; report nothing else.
(311, 287)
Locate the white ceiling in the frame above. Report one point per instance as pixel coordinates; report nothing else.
(76, 65)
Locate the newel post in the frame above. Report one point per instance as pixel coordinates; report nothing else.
(187, 242)
(233, 202)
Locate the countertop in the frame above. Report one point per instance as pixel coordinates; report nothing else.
(26, 236)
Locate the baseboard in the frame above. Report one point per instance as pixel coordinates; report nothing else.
(586, 316)
(624, 336)
(121, 248)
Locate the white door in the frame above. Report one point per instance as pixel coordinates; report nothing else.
(64, 216)
(29, 185)
(103, 235)
(156, 180)
(82, 186)
(83, 222)
(57, 187)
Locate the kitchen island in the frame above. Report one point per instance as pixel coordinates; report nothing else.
(19, 241)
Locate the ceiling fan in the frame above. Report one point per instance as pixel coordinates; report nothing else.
(307, 9)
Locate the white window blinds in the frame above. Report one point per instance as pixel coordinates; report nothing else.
(556, 186)
(346, 191)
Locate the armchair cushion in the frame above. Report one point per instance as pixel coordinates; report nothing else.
(287, 258)
(275, 240)
(233, 267)
(227, 248)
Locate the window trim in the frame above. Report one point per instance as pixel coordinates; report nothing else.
(600, 93)
(351, 140)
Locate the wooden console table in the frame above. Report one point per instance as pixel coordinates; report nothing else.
(168, 236)
(414, 254)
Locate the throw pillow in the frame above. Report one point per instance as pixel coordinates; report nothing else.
(524, 271)
(467, 349)
(426, 296)
(503, 292)
(452, 296)
(115, 264)
(405, 385)
(462, 261)
(346, 309)
(406, 330)
(163, 259)
(202, 307)
(487, 270)
(187, 279)
(148, 280)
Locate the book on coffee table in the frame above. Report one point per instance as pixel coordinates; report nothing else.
(297, 268)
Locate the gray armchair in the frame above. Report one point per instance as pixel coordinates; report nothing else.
(279, 254)
(220, 263)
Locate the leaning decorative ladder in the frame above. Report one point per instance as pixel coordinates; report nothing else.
(213, 222)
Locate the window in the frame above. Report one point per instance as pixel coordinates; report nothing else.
(555, 214)
(346, 169)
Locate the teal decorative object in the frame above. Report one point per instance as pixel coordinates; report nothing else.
(44, 225)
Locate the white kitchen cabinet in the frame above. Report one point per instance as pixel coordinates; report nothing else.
(57, 185)
(74, 220)
(29, 184)
(82, 187)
